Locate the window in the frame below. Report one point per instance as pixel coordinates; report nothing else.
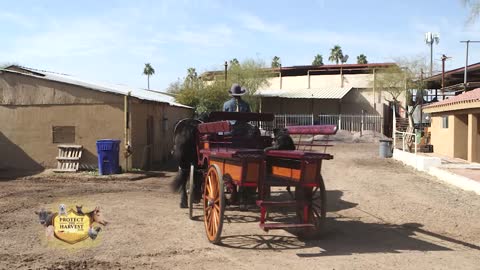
(444, 121)
(63, 134)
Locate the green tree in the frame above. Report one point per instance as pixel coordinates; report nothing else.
(208, 96)
(276, 63)
(148, 70)
(362, 59)
(318, 60)
(336, 54)
(404, 79)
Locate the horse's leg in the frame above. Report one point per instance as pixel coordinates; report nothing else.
(183, 196)
(184, 173)
(198, 180)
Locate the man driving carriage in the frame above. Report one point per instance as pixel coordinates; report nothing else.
(240, 128)
(236, 103)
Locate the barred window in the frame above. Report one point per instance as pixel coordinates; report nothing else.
(63, 134)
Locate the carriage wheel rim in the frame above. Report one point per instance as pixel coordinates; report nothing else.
(317, 198)
(212, 205)
(191, 188)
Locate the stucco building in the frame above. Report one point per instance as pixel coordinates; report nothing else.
(327, 89)
(40, 109)
(455, 126)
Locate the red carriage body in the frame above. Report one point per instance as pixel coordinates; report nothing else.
(231, 162)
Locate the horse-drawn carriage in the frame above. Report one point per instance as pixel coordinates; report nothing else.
(233, 165)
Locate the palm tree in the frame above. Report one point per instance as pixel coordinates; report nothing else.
(192, 76)
(149, 71)
(318, 60)
(192, 73)
(234, 62)
(362, 59)
(276, 62)
(336, 54)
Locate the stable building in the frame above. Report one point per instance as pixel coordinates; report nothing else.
(325, 90)
(455, 126)
(40, 110)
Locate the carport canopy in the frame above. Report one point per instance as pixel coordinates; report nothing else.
(308, 93)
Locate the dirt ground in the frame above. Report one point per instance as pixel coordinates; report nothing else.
(382, 215)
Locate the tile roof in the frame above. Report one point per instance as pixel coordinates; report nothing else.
(467, 97)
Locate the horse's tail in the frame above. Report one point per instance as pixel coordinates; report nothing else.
(180, 179)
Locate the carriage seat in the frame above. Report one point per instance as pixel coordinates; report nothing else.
(239, 131)
(296, 154)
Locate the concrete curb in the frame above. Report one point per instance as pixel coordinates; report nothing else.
(421, 163)
(462, 182)
(431, 165)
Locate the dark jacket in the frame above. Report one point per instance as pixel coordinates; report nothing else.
(231, 106)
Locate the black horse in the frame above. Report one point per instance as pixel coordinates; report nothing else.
(185, 154)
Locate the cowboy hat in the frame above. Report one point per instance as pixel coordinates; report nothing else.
(236, 90)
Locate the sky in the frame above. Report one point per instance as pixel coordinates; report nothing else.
(110, 41)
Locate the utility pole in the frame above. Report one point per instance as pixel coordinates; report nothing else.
(226, 66)
(444, 58)
(421, 100)
(431, 38)
(466, 62)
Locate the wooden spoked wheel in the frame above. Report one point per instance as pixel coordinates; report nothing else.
(316, 197)
(213, 204)
(191, 192)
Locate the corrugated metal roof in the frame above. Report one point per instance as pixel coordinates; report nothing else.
(470, 96)
(316, 93)
(457, 71)
(103, 87)
(310, 68)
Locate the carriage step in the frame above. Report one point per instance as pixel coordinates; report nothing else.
(278, 226)
(262, 203)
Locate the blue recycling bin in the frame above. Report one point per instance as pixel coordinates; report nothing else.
(108, 156)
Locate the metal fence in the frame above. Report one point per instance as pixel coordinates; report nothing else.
(283, 120)
(353, 122)
(350, 122)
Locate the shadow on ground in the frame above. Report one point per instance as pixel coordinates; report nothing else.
(347, 237)
(233, 214)
(344, 236)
